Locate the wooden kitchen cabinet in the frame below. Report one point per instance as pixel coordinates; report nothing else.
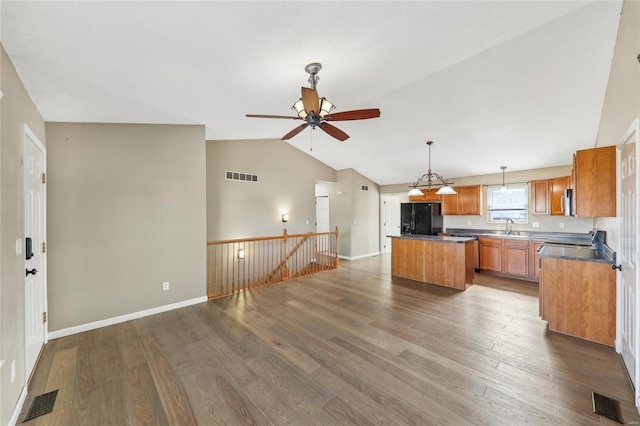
(547, 196)
(557, 188)
(427, 195)
(490, 253)
(515, 257)
(467, 201)
(534, 259)
(540, 196)
(594, 182)
(579, 298)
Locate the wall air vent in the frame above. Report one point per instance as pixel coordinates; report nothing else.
(244, 177)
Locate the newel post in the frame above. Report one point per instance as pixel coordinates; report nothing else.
(337, 262)
(285, 271)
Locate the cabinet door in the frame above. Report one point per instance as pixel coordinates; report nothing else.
(490, 254)
(470, 200)
(534, 260)
(450, 204)
(430, 195)
(557, 187)
(516, 258)
(540, 196)
(595, 182)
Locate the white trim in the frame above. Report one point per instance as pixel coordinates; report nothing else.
(18, 408)
(362, 256)
(122, 318)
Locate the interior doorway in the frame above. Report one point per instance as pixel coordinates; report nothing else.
(34, 252)
(628, 312)
(390, 220)
(322, 213)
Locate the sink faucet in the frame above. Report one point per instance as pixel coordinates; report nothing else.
(507, 227)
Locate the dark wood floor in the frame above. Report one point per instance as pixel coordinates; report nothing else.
(349, 346)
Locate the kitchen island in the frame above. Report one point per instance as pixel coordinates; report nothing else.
(445, 261)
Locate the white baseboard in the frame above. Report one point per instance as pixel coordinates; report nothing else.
(122, 318)
(362, 256)
(18, 408)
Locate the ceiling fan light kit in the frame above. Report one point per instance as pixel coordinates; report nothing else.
(316, 111)
(430, 179)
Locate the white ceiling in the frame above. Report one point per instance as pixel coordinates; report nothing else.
(492, 83)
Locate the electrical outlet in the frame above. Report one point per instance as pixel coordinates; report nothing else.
(307, 221)
(561, 225)
(165, 286)
(18, 247)
(13, 371)
(468, 223)
(536, 224)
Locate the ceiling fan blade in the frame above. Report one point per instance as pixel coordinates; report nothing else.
(357, 114)
(310, 100)
(333, 131)
(290, 117)
(294, 132)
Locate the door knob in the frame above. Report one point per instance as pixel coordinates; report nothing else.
(619, 267)
(33, 271)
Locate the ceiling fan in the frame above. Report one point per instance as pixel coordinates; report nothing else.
(316, 111)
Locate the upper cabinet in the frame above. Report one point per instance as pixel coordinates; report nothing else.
(547, 196)
(427, 195)
(557, 188)
(594, 182)
(540, 196)
(467, 201)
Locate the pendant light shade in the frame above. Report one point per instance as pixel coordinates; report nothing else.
(430, 179)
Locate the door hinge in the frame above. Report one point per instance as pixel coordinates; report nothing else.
(44, 317)
(43, 177)
(44, 247)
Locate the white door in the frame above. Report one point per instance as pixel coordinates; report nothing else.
(627, 257)
(33, 165)
(322, 213)
(390, 220)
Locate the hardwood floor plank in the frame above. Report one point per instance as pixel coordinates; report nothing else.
(147, 406)
(172, 395)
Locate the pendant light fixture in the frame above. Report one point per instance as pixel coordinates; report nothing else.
(430, 179)
(503, 188)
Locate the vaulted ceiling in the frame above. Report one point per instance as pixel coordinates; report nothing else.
(492, 83)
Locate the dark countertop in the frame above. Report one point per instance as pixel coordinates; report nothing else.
(434, 238)
(551, 237)
(600, 253)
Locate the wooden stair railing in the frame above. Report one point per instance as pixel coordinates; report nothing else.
(244, 264)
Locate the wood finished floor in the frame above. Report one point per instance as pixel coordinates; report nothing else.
(349, 346)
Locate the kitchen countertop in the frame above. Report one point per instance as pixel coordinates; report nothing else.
(434, 238)
(600, 253)
(551, 237)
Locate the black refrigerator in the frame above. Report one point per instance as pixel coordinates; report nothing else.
(421, 218)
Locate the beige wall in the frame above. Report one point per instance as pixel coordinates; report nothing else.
(287, 179)
(547, 223)
(126, 212)
(622, 100)
(17, 108)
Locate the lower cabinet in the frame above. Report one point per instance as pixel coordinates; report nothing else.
(516, 258)
(579, 298)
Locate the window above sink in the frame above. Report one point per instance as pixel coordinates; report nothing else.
(510, 204)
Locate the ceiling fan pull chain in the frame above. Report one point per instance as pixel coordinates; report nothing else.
(311, 139)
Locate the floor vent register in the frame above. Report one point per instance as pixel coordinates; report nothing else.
(41, 404)
(610, 408)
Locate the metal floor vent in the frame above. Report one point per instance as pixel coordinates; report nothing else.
(610, 408)
(41, 404)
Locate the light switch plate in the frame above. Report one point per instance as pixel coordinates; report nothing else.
(18, 247)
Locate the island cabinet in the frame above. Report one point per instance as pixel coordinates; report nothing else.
(443, 261)
(467, 201)
(594, 182)
(427, 195)
(579, 298)
(547, 196)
